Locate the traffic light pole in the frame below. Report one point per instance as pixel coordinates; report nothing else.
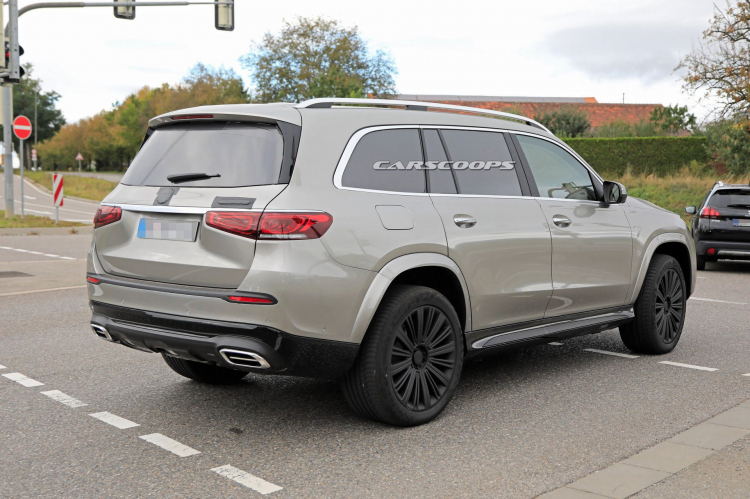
(12, 32)
(13, 73)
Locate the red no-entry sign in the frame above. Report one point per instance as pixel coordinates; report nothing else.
(22, 127)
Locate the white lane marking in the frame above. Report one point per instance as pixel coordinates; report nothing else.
(717, 301)
(37, 211)
(2, 366)
(113, 420)
(28, 197)
(22, 380)
(41, 290)
(172, 446)
(748, 374)
(246, 479)
(36, 253)
(556, 343)
(616, 354)
(64, 399)
(689, 366)
(701, 277)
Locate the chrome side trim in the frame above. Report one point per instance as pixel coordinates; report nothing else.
(192, 210)
(552, 330)
(418, 106)
(243, 358)
(733, 253)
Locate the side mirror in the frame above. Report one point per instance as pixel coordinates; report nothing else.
(614, 193)
(224, 15)
(691, 210)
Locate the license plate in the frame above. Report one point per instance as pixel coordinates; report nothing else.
(149, 228)
(739, 222)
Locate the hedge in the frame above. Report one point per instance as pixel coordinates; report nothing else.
(657, 155)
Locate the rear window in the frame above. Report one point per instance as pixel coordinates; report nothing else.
(730, 198)
(233, 154)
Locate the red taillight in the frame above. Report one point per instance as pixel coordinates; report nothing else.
(711, 251)
(106, 215)
(294, 225)
(242, 223)
(271, 225)
(193, 117)
(92, 280)
(251, 299)
(711, 213)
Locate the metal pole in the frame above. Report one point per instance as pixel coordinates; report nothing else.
(57, 215)
(79, 166)
(8, 156)
(20, 157)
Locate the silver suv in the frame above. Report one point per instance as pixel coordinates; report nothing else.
(376, 243)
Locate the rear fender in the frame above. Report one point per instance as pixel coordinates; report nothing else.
(389, 272)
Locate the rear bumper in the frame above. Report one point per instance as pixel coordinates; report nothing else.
(724, 250)
(204, 340)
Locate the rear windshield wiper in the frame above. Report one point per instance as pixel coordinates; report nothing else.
(738, 205)
(186, 177)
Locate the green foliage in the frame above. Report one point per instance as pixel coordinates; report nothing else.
(49, 118)
(315, 57)
(729, 145)
(111, 138)
(565, 122)
(673, 119)
(612, 157)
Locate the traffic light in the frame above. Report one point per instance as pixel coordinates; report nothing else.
(224, 15)
(21, 71)
(125, 12)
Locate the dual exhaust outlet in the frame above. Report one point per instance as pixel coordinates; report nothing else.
(239, 358)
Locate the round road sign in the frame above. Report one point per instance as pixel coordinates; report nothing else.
(22, 127)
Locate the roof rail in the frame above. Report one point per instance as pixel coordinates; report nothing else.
(415, 106)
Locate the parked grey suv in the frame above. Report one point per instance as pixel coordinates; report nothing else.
(377, 243)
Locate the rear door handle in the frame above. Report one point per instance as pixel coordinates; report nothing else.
(465, 221)
(561, 221)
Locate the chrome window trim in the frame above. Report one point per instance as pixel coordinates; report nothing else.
(354, 140)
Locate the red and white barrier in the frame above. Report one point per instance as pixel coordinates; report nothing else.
(57, 189)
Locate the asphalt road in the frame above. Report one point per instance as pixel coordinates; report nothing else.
(521, 424)
(40, 203)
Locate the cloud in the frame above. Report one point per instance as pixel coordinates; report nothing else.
(648, 52)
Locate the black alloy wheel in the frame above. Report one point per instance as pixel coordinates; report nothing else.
(422, 358)
(670, 306)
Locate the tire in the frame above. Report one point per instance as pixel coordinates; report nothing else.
(700, 262)
(659, 310)
(203, 373)
(410, 359)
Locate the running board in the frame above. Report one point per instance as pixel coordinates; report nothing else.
(557, 330)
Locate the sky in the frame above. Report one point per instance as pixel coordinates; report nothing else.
(540, 48)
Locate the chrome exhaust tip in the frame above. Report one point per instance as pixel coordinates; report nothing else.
(242, 358)
(101, 332)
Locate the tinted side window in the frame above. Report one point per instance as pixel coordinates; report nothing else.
(441, 178)
(556, 172)
(482, 163)
(385, 160)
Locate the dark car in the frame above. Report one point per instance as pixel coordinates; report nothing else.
(721, 225)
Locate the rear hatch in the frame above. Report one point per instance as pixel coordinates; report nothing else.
(732, 222)
(181, 172)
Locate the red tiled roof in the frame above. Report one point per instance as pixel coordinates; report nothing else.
(598, 113)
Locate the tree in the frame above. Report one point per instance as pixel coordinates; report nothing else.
(49, 118)
(565, 122)
(315, 57)
(673, 119)
(112, 138)
(720, 65)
